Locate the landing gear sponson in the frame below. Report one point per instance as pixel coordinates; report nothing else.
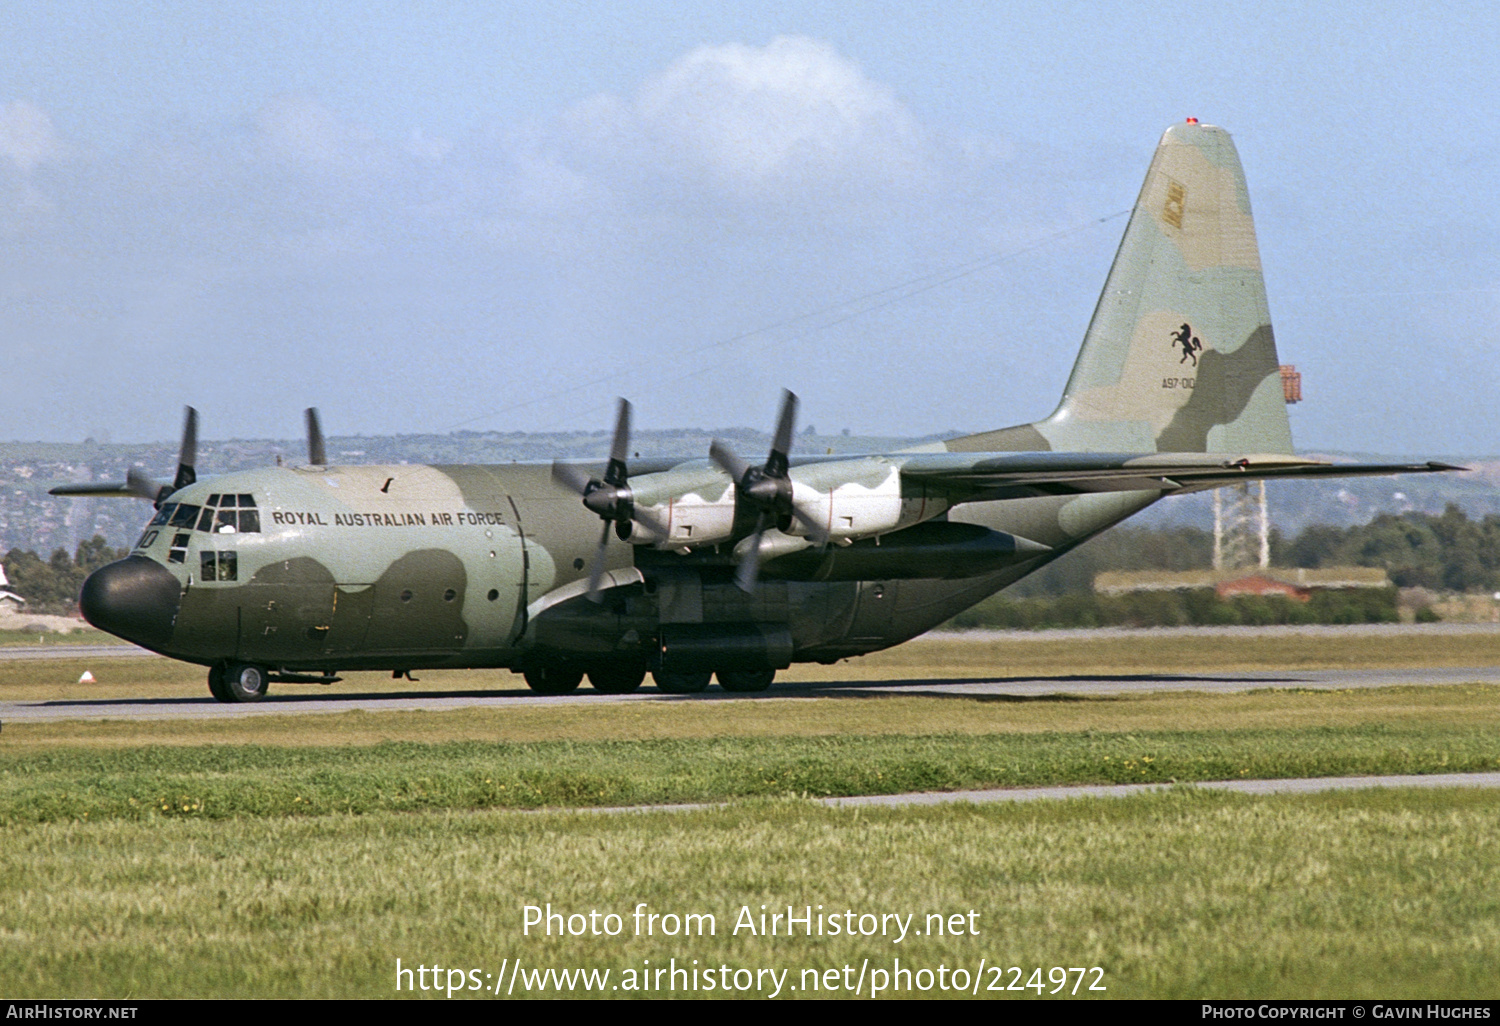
(249, 682)
(623, 678)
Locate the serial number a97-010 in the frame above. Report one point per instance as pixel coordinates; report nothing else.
(1178, 382)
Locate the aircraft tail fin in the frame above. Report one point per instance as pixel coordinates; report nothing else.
(1179, 356)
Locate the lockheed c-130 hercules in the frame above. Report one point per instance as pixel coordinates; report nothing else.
(699, 568)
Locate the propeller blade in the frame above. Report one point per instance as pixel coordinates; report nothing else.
(649, 520)
(816, 530)
(317, 451)
(596, 565)
(187, 453)
(615, 474)
(748, 572)
(781, 444)
(728, 460)
(571, 476)
(141, 485)
(97, 490)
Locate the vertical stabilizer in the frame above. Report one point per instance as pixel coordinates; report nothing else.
(1179, 356)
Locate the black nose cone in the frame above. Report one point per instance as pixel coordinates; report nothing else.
(135, 599)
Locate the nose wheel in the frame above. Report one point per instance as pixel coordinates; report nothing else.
(238, 682)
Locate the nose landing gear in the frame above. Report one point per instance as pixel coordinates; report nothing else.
(238, 682)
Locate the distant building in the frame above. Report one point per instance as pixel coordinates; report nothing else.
(10, 602)
(1295, 583)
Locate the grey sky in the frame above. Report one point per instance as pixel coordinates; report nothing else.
(492, 219)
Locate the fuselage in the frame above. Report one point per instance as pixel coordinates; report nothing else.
(323, 569)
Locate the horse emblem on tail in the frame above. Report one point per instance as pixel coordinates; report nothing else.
(1190, 343)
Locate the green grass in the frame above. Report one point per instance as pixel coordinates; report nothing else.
(227, 782)
(1366, 895)
(79, 636)
(1467, 706)
(289, 856)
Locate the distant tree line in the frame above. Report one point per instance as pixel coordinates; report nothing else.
(1199, 607)
(1448, 551)
(1445, 551)
(52, 585)
(1442, 552)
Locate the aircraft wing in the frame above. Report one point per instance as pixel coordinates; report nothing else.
(977, 477)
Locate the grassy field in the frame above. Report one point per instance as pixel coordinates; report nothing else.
(1384, 894)
(693, 752)
(302, 855)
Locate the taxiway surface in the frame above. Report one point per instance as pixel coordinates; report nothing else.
(301, 699)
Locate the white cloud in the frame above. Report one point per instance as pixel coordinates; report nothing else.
(792, 109)
(304, 133)
(27, 137)
(781, 121)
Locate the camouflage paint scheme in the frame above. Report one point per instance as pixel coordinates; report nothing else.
(1176, 388)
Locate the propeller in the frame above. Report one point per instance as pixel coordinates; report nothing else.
(317, 452)
(768, 490)
(610, 499)
(140, 485)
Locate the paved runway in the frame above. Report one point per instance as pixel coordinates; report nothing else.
(302, 699)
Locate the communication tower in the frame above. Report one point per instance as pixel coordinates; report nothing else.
(1242, 525)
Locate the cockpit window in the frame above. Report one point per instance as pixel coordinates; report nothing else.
(229, 513)
(224, 514)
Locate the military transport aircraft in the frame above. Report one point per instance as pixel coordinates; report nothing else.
(717, 567)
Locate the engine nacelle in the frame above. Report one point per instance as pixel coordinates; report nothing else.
(862, 498)
(696, 502)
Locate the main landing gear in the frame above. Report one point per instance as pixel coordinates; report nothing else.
(738, 681)
(238, 682)
(607, 678)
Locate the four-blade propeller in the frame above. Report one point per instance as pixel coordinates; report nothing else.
(610, 499)
(767, 489)
(140, 485)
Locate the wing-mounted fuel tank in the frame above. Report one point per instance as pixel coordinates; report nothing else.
(932, 550)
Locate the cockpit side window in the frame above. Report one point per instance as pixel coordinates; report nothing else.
(219, 566)
(183, 516)
(163, 514)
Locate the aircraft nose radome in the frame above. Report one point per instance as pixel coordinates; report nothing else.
(135, 599)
